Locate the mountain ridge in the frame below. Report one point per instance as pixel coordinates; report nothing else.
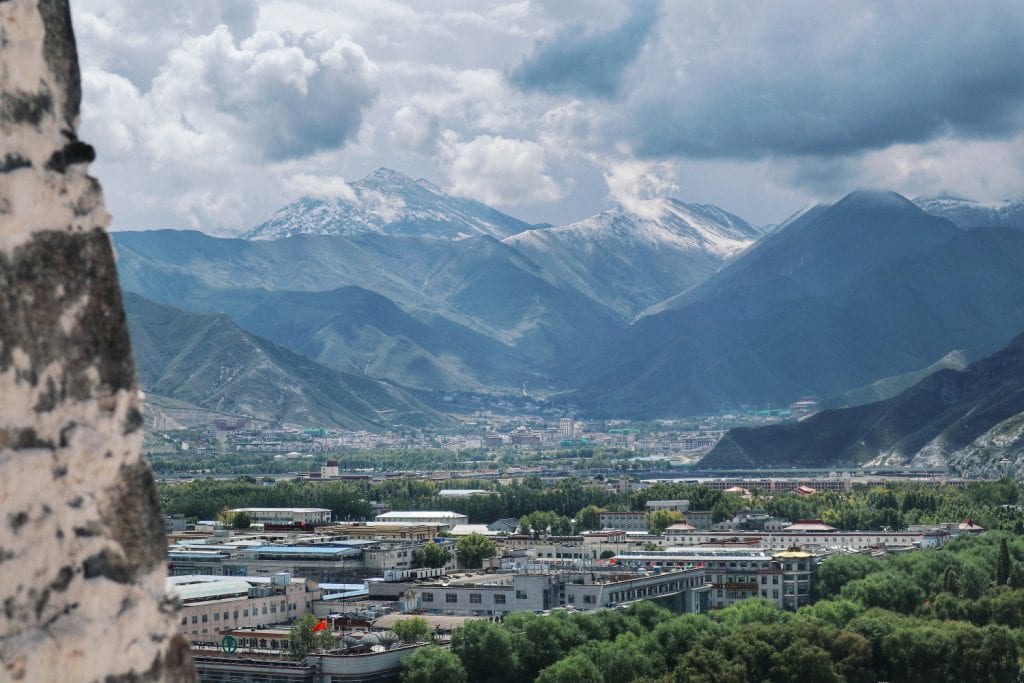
(387, 202)
(951, 418)
(206, 360)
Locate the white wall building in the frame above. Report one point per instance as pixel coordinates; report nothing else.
(445, 519)
(287, 515)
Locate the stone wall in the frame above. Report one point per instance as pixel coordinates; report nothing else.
(82, 551)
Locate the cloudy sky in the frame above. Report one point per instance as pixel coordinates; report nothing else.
(212, 114)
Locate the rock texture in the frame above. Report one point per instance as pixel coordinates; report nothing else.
(82, 550)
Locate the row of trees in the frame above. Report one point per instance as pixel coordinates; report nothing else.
(898, 618)
(572, 505)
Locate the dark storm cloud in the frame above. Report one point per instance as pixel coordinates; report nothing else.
(749, 81)
(586, 64)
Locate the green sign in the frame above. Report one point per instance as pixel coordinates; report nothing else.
(229, 644)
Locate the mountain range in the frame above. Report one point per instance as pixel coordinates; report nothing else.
(969, 420)
(628, 261)
(674, 308)
(844, 295)
(967, 213)
(207, 361)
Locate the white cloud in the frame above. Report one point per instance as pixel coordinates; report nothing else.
(323, 186)
(205, 113)
(636, 185)
(414, 129)
(498, 170)
(271, 97)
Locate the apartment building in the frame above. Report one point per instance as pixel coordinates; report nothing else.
(495, 595)
(213, 604)
(785, 578)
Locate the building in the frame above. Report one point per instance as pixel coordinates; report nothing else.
(288, 516)
(495, 595)
(566, 428)
(329, 469)
(360, 663)
(669, 505)
(801, 534)
(463, 493)
(392, 531)
(210, 605)
(700, 519)
(174, 524)
(442, 519)
(626, 521)
(785, 578)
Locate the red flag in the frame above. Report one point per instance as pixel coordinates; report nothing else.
(321, 626)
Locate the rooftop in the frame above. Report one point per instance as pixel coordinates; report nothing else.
(419, 514)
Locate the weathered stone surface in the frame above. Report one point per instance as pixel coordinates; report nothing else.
(81, 541)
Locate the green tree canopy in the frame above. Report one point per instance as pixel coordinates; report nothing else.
(432, 555)
(302, 639)
(432, 664)
(472, 549)
(413, 630)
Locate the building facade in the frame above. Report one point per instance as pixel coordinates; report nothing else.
(784, 578)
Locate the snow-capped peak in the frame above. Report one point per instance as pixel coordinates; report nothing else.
(968, 213)
(665, 222)
(389, 202)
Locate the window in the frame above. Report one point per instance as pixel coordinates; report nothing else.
(216, 616)
(184, 620)
(499, 599)
(764, 580)
(588, 600)
(264, 609)
(474, 598)
(245, 612)
(236, 614)
(521, 595)
(451, 597)
(205, 618)
(225, 616)
(428, 597)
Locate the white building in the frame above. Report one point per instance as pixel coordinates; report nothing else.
(445, 519)
(289, 516)
(669, 505)
(566, 428)
(785, 578)
(211, 604)
(686, 591)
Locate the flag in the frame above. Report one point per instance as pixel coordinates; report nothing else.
(321, 626)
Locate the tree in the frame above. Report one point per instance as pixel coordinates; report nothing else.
(472, 549)
(589, 518)
(573, 669)
(414, 630)
(432, 664)
(241, 520)
(431, 555)
(659, 520)
(486, 651)
(1003, 564)
(302, 639)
